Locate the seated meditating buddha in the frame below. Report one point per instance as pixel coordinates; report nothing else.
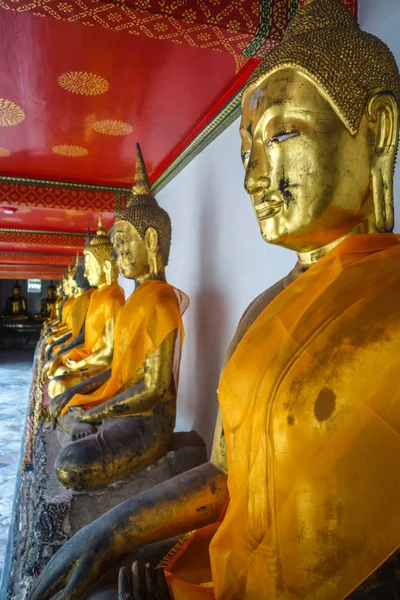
(17, 308)
(59, 323)
(57, 317)
(72, 331)
(127, 423)
(48, 305)
(72, 366)
(301, 497)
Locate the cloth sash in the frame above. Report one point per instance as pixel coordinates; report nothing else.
(152, 311)
(105, 304)
(311, 413)
(76, 316)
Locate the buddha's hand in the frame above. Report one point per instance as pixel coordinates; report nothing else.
(46, 371)
(142, 583)
(57, 404)
(72, 365)
(76, 566)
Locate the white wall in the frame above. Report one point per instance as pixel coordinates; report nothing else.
(218, 257)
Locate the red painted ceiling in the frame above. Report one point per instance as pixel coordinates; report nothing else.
(160, 90)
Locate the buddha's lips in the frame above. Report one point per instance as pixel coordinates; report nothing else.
(266, 210)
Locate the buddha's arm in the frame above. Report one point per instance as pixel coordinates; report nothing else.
(23, 304)
(186, 502)
(85, 387)
(103, 356)
(76, 342)
(141, 396)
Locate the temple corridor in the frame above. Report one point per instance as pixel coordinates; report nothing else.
(15, 378)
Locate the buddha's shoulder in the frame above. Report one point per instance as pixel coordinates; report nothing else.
(252, 312)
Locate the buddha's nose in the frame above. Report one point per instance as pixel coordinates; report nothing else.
(256, 185)
(257, 180)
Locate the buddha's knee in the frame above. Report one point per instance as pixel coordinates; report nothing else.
(72, 466)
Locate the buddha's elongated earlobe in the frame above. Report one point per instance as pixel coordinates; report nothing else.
(151, 238)
(383, 115)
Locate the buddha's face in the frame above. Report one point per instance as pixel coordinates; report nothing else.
(65, 286)
(72, 285)
(16, 290)
(307, 176)
(93, 270)
(51, 293)
(131, 251)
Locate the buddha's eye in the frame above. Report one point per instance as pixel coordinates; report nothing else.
(245, 156)
(282, 137)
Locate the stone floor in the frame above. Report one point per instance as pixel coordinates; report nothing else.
(15, 379)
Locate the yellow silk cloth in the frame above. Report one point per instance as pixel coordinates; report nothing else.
(151, 312)
(311, 411)
(105, 304)
(76, 316)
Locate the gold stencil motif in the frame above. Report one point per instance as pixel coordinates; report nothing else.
(81, 82)
(10, 113)
(112, 127)
(71, 151)
(4, 152)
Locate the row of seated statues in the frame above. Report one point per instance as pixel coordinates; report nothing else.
(300, 499)
(17, 306)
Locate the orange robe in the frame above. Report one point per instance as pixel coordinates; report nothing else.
(76, 317)
(105, 304)
(151, 312)
(311, 413)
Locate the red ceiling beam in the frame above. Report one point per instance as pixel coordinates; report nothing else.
(22, 240)
(42, 194)
(30, 272)
(28, 258)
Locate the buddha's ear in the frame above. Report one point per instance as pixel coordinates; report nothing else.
(383, 117)
(151, 239)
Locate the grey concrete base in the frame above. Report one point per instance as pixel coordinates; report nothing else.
(47, 514)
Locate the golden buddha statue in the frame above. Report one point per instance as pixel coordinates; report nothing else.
(75, 313)
(127, 423)
(48, 304)
(60, 319)
(72, 366)
(17, 308)
(301, 497)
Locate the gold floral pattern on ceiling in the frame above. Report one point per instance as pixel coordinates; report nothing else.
(84, 83)
(112, 127)
(10, 113)
(70, 150)
(4, 152)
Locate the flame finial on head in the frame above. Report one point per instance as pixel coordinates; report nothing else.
(141, 186)
(100, 245)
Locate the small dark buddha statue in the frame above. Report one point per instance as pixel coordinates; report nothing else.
(16, 305)
(47, 304)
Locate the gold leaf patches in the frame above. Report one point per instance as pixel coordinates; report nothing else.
(112, 127)
(71, 151)
(81, 82)
(4, 152)
(10, 113)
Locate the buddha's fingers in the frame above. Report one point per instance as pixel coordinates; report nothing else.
(150, 582)
(137, 582)
(124, 584)
(161, 583)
